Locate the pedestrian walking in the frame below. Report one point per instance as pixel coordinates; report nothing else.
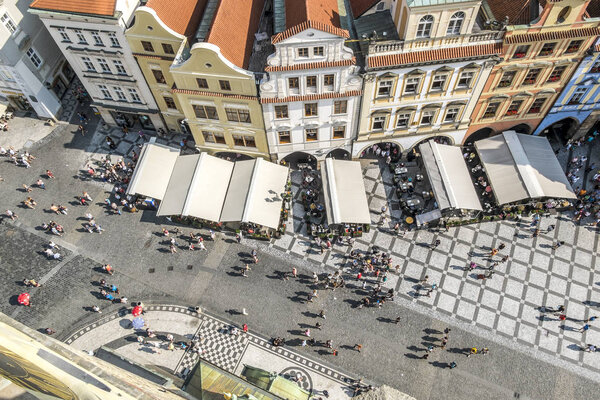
(39, 183)
(550, 228)
(397, 321)
(435, 244)
(590, 319)
(322, 314)
(294, 272)
(472, 351)
(452, 365)
(50, 331)
(584, 328)
(557, 244)
(238, 238)
(96, 309)
(10, 214)
(358, 347)
(49, 174)
(108, 269)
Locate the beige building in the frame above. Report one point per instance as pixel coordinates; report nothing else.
(202, 61)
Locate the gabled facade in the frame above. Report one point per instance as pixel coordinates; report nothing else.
(311, 96)
(539, 59)
(577, 109)
(426, 84)
(33, 73)
(91, 36)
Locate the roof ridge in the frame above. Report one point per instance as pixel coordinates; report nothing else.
(307, 25)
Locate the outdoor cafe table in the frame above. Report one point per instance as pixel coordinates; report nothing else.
(401, 170)
(413, 202)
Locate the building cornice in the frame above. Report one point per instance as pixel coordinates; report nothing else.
(552, 35)
(310, 97)
(312, 65)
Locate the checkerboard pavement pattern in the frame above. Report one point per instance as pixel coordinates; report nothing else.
(507, 304)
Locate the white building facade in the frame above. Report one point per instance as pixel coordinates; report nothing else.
(93, 41)
(33, 73)
(311, 95)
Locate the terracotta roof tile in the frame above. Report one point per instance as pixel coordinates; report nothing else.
(310, 97)
(233, 29)
(92, 7)
(517, 11)
(214, 94)
(435, 55)
(554, 35)
(323, 11)
(313, 65)
(359, 7)
(183, 16)
(306, 25)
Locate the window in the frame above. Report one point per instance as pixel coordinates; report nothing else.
(159, 77)
(170, 102)
(294, 85)
(532, 76)
(285, 137)
(245, 141)
(202, 83)
(120, 94)
(556, 74)
(521, 51)
(310, 110)
(378, 123)
(105, 92)
(424, 27)
(8, 23)
(403, 120)
(64, 35)
(385, 88)
(574, 46)
(114, 42)
(507, 79)
(536, 107)
(97, 39)
(225, 85)
(167, 48)
(318, 51)
(281, 112)
(88, 64)
(340, 106)
(135, 97)
(80, 37)
(311, 135)
(205, 112)
(147, 46)
(119, 67)
(103, 65)
(427, 117)
(303, 52)
(35, 58)
(514, 107)
(455, 23)
(438, 83)
(238, 115)
(547, 49)
(339, 132)
(213, 137)
(491, 110)
(328, 81)
(451, 114)
(596, 67)
(578, 95)
(412, 84)
(311, 84)
(465, 79)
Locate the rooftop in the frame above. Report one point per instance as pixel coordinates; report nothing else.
(322, 11)
(517, 11)
(183, 16)
(90, 7)
(380, 24)
(426, 3)
(359, 7)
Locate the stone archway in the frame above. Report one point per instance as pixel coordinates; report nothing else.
(521, 128)
(300, 157)
(370, 151)
(562, 130)
(232, 156)
(339, 154)
(442, 139)
(480, 134)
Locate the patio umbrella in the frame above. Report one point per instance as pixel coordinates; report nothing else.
(23, 299)
(138, 323)
(137, 311)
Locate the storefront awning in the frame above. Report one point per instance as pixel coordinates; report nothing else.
(197, 187)
(522, 167)
(449, 176)
(153, 170)
(344, 191)
(254, 194)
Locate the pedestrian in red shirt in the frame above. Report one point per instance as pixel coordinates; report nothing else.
(245, 328)
(358, 276)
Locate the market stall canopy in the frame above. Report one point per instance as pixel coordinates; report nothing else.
(197, 187)
(449, 176)
(522, 167)
(153, 170)
(254, 193)
(344, 191)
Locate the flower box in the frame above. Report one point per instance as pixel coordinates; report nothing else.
(519, 55)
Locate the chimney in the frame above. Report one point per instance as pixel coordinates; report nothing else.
(534, 10)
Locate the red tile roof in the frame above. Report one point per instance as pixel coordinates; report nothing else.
(516, 10)
(214, 94)
(318, 14)
(554, 35)
(92, 7)
(310, 97)
(313, 65)
(233, 29)
(359, 7)
(183, 16)
(434, 55)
